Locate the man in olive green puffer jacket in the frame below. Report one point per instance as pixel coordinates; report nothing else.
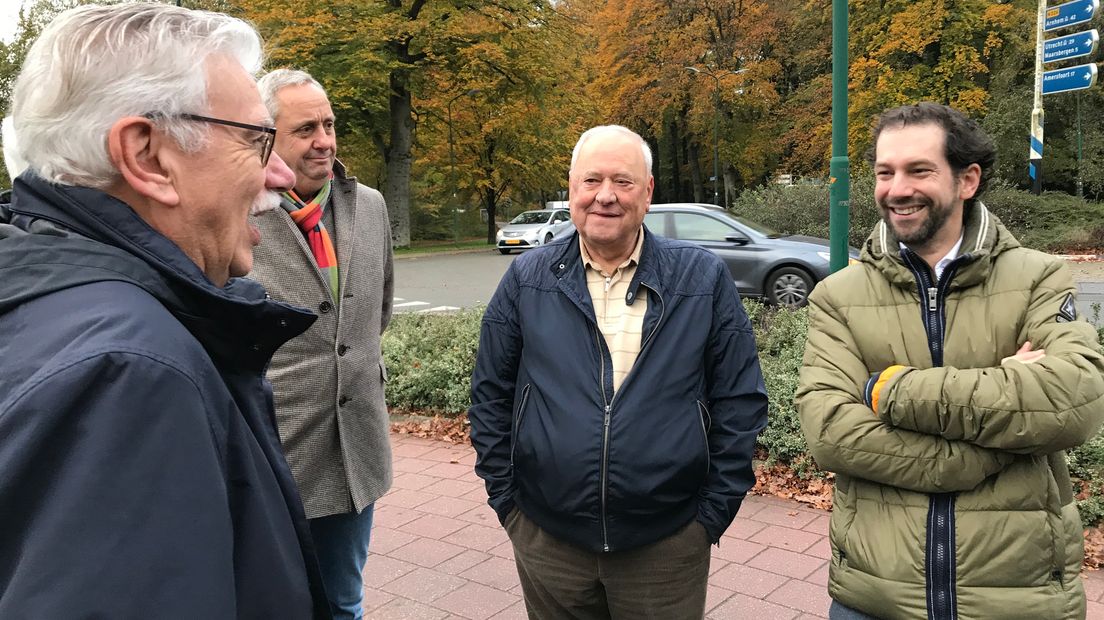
(944, 377)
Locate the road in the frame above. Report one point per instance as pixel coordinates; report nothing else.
(443, 282)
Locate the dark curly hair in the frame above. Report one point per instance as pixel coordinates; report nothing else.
(965, 141)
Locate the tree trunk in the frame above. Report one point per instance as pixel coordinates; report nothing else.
(490, 203)
(729, 195)
(674, 136)
(398, 161)
(693, 157)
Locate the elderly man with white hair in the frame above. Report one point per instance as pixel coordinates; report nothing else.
(616, 400)
(142, 471)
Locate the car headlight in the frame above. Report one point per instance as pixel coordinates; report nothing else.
(851, 260)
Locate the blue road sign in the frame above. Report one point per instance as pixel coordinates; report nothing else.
(1070, 78)
(1070, 14)
(1071, 46)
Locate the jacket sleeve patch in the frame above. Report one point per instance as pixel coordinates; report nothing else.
(1068, 310)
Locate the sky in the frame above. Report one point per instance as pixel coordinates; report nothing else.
(9, 18)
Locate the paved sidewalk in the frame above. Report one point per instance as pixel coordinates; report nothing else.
(438, 551)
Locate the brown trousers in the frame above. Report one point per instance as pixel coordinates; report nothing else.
(665, 580)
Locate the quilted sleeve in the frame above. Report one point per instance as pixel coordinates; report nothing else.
(845, 436)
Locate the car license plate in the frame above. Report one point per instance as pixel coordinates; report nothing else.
(513, 241)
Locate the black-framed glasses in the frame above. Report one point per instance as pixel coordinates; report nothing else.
(268, 134)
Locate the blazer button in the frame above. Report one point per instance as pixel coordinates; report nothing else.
(342, 349)
(341, 401)
(325, 307)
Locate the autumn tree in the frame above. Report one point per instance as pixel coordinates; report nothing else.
(903, 51)
(667, 68)
(515, 101)
(378, 57)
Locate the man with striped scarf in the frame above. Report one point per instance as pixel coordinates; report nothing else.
(329, 249)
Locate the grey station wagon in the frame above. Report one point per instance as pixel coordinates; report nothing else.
(781, 269)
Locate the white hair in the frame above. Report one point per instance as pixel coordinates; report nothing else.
(603, 130)
(12, 160)
(96, 64)
(278, 79)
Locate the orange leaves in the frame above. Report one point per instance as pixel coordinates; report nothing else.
(782, 481)
(1094, 548)
(452, 430)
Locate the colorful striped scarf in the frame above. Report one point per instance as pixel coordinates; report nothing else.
(308, 216)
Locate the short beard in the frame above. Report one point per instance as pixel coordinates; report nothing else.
(267, 201)
(928, 229)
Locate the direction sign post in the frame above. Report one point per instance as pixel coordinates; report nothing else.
(1070, 14)
(1068, 79)
(1071, 46)
(1049, 19)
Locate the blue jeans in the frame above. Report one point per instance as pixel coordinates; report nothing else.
(839, 611)
(342, 545)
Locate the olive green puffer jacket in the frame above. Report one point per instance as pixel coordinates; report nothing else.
(956, 496)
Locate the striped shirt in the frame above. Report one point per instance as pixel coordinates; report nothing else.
(621, 324)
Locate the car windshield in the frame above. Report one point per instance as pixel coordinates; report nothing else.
(766, 231)
(531, 217)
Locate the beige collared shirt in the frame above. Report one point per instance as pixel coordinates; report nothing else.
(621, 324)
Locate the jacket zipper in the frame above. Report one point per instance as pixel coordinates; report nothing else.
(608, 407)
(517, 422)
(939, 563)
(706, 423)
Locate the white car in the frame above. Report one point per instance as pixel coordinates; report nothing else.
(531, 229)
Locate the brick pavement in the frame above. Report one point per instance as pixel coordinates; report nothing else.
(438, 551)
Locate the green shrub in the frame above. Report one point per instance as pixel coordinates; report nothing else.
(1052, 222)
(780, 338)
(803, 209)
(430, 359)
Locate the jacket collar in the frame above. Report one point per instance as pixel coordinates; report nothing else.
(63, 236)
(567, 267)
(983, 239)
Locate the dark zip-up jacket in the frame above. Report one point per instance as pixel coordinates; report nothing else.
(610, 471)
(141, 475)
(954, 501)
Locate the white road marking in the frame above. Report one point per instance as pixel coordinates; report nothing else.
(410, 304)
(438, 309)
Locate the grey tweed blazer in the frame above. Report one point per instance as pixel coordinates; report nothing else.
(328, 383)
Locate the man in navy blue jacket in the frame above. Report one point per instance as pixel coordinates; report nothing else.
(141, 475)
(616, 401)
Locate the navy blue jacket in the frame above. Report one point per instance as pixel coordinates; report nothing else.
(141, 475)
(612, 472)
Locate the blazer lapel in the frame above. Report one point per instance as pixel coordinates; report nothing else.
(304, 249)
(343, 203)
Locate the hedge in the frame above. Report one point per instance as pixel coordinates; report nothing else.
(1052, 222)
(430, 360)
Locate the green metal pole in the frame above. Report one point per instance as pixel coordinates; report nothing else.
(839, 168)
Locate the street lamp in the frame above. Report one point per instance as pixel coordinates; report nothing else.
(452, 165)
(716, 112)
